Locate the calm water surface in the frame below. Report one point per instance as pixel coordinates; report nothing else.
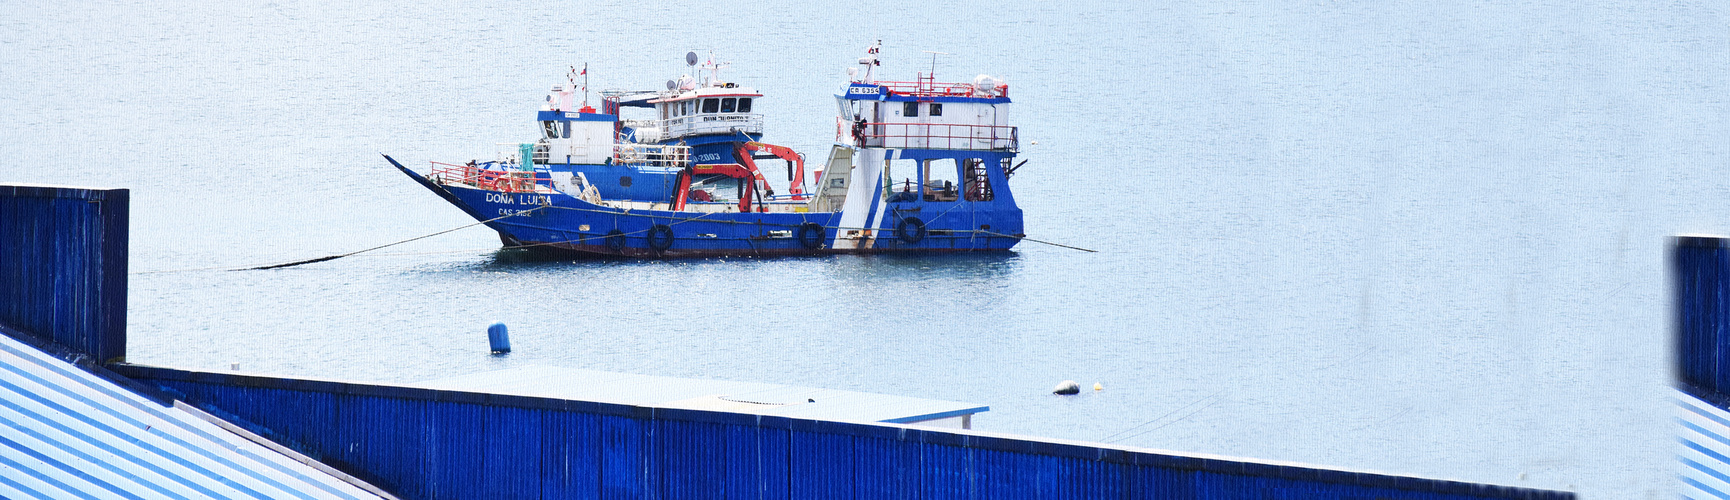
(1411, 237)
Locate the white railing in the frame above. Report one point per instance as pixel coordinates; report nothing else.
(711, 123)
(936, 136)
(652, 155)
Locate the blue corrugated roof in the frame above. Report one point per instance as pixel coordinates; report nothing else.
(698, 394)
(66, 433)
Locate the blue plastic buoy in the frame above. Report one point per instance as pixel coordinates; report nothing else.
(500, 338)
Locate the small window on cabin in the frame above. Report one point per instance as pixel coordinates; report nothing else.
(565, 131)
(937, 109)
(549, 129)
(711, 105)
(727, 104)
(664, 111)
(684, 108)
(910, 109)
(744, 105)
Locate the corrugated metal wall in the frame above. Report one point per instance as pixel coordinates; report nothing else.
(422, 443)
(1702, 273)
(63, 266)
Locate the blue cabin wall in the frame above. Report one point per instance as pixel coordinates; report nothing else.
(423, 443)
(63, 266)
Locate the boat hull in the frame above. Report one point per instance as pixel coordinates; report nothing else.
(558, 223)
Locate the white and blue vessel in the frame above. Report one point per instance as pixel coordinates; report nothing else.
(917, 166)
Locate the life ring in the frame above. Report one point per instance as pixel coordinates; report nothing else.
(660, 237)
(811, 235)
(616, 240)
(911, 230)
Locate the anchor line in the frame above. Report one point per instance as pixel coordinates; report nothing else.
(1108, 439)
(1024, 238)
(338, 256)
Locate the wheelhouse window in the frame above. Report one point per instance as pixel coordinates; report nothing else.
(937, 109)
(744, 105)
(711, 105)
(910, 109)
(727, 104)
(550, 129)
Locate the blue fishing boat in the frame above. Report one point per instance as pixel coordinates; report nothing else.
(917, 166)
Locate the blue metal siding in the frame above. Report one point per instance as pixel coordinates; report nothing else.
(572, 456)
(744, 461)
(775, 443)
(63, 266)
(1702, 273)
(425, 443)
(622, 461)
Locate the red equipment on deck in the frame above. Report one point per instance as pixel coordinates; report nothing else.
(795, 164)
(755, 187)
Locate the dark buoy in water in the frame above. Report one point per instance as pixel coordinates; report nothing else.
(1067, 388)
(499, 337)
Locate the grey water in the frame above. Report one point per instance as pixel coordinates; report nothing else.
(1423, 238)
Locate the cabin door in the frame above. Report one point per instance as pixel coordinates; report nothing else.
(874, 135)
(984, 129)
(919, 135)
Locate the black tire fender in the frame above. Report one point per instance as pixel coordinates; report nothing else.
(616, 240)
(911, 230)
(660, 237)
(811, 235)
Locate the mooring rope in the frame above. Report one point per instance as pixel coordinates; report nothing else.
(338, 256)
(1024, 238)
(421, 237)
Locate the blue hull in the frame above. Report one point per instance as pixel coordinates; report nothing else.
(564, 224)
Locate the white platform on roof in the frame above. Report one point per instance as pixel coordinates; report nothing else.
(715, 395)
(65, 433)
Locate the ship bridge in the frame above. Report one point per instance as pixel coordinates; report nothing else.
(926, 114)
(720, 109)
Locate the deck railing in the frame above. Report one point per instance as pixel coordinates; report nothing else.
(937, 136)
(652, 155)
(933, 89)
(473, 175)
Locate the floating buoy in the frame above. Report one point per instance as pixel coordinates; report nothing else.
(1066, 388)
(1098, 387)
(499, 337)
